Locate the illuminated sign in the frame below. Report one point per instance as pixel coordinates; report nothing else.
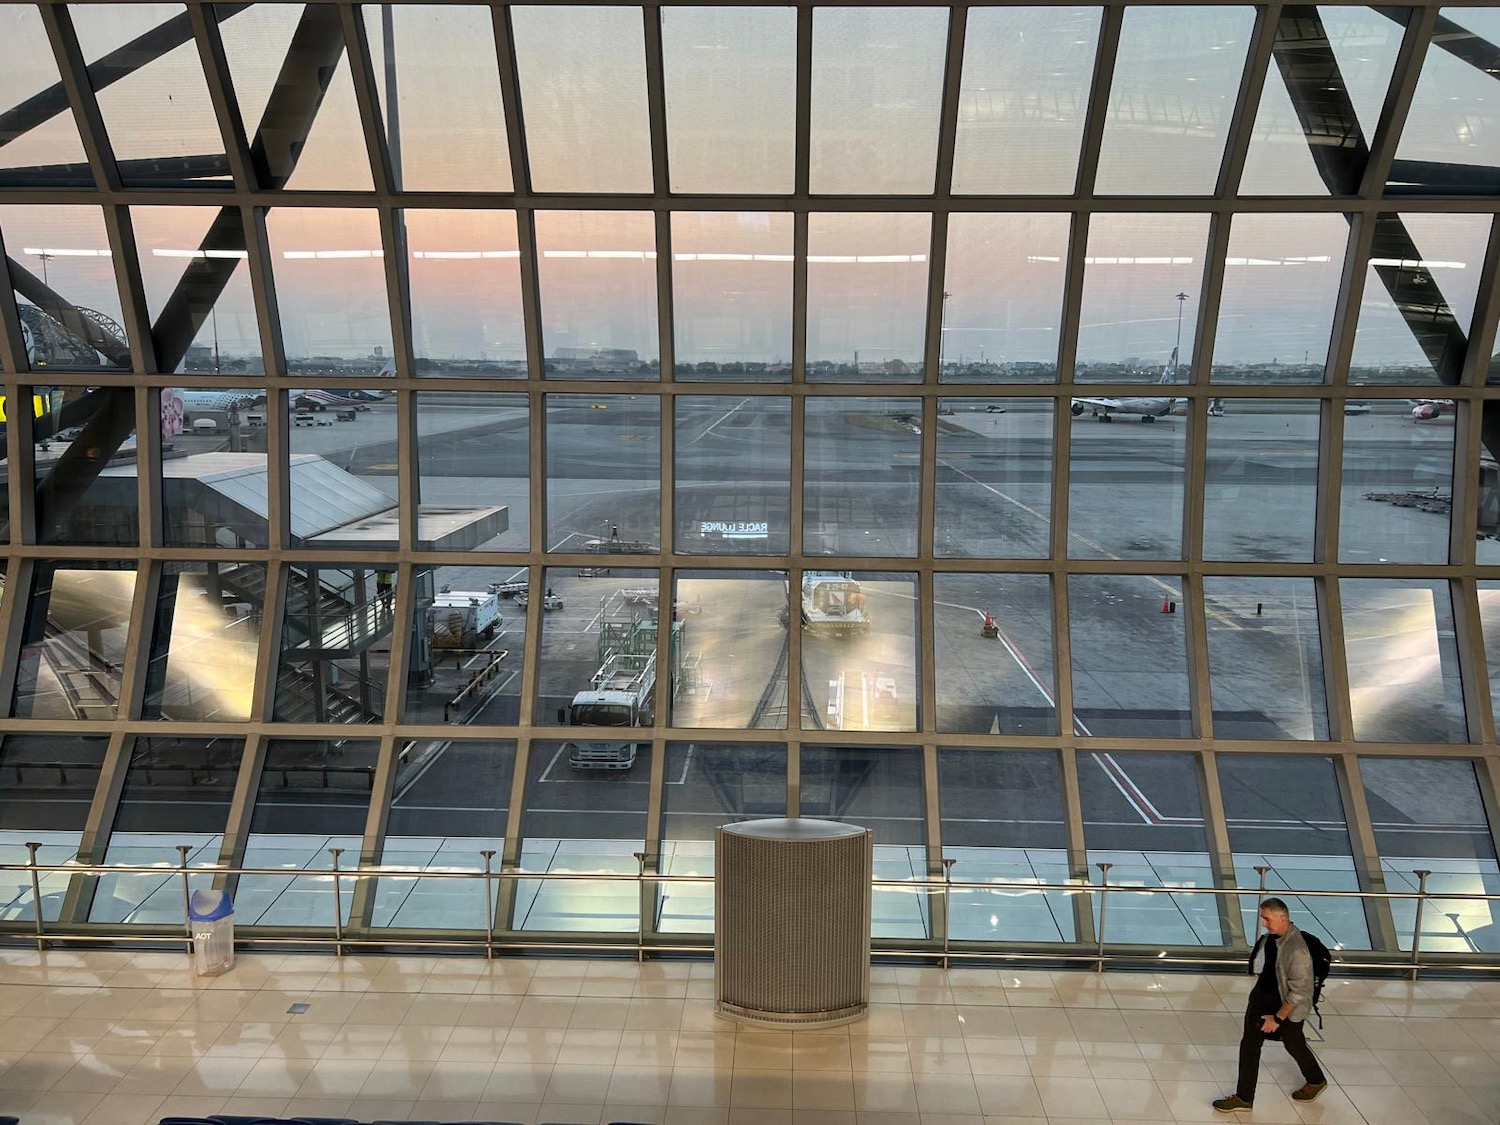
(39, 406)
(730, 530)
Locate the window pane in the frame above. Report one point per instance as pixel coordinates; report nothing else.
(581, 821)
(1266, 658)
(465, 272)
(731, 91)
(1448, 144)
(206, 641)
(583, 88)
(1428, 814)
(1261, 480)
(597, 275)
(1285, 812)
(440, 57)
(466, 645)
(1026, 80)
(474, 471)
(731, 671)
(1402, 661)
(76, 641)
(709, 784)
(428, 833)
(732, 294)
(1003, 301)
(1125, 481)
(177, 791)
(877, 90)
(603, 473)
(1397, 490)
(860, 476)
(49, 786)
(880, 790)
(335, 643)
(341, 497)
(994, 653)
(994, 480)
(85, 473)
(313, 796)
(330, 289)
(1489, 622)
(1176, 80)
(217, 495)
(733, 475)
(867, 297)
(859, 651)
(1143, 813)
(1129, 654)
(1003, 822)
(48, 153)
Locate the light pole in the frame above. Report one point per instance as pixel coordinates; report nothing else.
(943, 332)
(44, 257)
(1181, 300)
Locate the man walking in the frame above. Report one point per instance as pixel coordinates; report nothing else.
(1279, 1003)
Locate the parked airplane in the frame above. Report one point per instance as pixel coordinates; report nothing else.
(1426, 409)
(1148, 408)
(238, 398)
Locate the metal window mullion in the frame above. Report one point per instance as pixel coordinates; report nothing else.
(1351, 293)
(408, 449)
(144, 599)
(656, 100)
(802, 147)
(12, 341)
(1473, 671)
(666, 475)
(515, 827)
(377, 819)
(1077, 845)
(1408, 71)
(15, 609)
(1199, 674)
(940, 906)
(536, 539)
(221, 93)
(926, 654)
(1467, 491)
(1098, 104)
(357, 47)
(1487, 774)
(57, 19)
(1247, 104)
(93, 842)
(236, 836)
(1479, 357)
(531, 307)
(1330, 603)
(793, 772)
(795, 510)
(1365, 852)
(958, 19)
(268, 653)
(510, 98)
(126, 262)
(1220, 849)
(1210, 297)
(937, 302)
(1062, 416)
(273, 355)
(403, 621)
(650, 892)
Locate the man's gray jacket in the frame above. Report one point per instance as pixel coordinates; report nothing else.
(1294, 973)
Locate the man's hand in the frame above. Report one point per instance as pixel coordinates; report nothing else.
(1268, 1024)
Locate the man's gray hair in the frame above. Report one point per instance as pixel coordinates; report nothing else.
(1276, 906)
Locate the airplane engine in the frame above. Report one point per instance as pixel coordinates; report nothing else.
(1425, 412)
(1078, 409)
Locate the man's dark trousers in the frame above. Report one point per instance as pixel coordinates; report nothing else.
(1265, 1001)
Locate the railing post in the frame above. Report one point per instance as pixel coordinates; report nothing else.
(1103, 906)
(640, 910)
(36, 897)
(1416, 930)
(187, 897)
(1260, 869)
(947, 905)
(489, 906)
(338, 905)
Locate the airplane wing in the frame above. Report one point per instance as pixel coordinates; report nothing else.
(1102, 403)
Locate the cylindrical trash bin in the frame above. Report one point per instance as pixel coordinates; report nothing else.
(211, 914)
(792, 922)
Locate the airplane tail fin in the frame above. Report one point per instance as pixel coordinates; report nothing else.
(1169, 372)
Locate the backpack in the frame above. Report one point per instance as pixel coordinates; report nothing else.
(1322, 963)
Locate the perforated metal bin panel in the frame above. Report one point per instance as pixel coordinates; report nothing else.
(792, 922)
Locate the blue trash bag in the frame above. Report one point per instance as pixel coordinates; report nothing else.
(209, 906)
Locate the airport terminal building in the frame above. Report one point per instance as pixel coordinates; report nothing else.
(1061, 439)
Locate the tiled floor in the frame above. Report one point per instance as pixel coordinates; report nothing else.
(108, 1038)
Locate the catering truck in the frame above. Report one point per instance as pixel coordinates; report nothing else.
(833, 604)
(619, 695)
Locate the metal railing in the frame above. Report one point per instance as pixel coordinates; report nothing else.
(939, 946)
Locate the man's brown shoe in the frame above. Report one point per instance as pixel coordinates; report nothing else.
(1232, 1104)
(1309, 1092)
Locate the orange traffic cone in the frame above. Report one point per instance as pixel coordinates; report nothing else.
(989, 628)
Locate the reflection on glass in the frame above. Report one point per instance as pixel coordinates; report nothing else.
(450, 803)
(85, 465)
(76, 641)
(49, 788)
(709, 784)
(193, 268)
(177, 791)
(1143, 813)
(341, 495)
(1281, 287)
(330, 287)
(1489, 624)
(1420, 287)
(1403, 664)
(1447, 145)
(731, 86)
(439, 57)
(581, 820)
(335, 643)
(730, 647)
(1336, 62)
(473, 469)
(597, 274)
(732, 294)
(859, 650)
(206, 636)
(867, 297)
(64, 281)
(732, 475)
(1002, 303)
(49, 152)
(1125, 481)
(1397, 489)
(603, 473)
(1026, 80)
(1129, 655)
(994, 477)
(312, 796)
(1285, 812)
(1428, 814)
(1141, 280)
(583, 90)
(882, 790)
(877, 91)
(994, 653)
(860, 495)
(1003, 823)
(217, 496)
(465, 272)
(1176, 80)
(157, 142)
(466, 645)
(1260, 488)
(1265, 658)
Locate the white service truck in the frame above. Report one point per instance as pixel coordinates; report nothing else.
(620, 696)
(458, 618)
